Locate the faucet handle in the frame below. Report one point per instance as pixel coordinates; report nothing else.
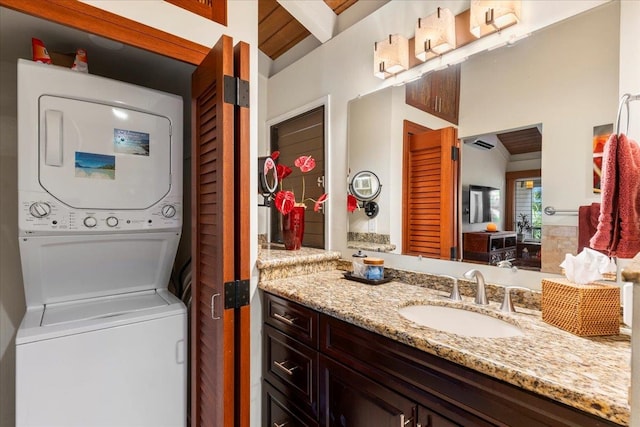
(455, 292)
(507, 303)
(507, 264)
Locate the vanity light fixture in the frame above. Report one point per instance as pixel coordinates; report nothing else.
(489, 16)
(435, 34)
(390, 56)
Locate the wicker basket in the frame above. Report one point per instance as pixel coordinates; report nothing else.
(583, 310)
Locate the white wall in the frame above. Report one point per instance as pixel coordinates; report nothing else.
(370, 129)
(552, 78)
(487, 168)
(242, 25)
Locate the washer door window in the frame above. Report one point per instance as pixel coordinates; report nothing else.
(97, 156)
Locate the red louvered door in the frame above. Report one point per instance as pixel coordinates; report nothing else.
(219, 335)
(430, 175)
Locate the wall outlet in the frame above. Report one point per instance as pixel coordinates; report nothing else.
(372, 225)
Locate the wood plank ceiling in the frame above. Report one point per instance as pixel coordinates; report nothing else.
(279, 31)
(522, 141)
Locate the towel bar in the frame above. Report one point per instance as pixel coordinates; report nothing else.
(550, 210)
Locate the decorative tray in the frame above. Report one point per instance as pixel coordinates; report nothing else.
(349, 276)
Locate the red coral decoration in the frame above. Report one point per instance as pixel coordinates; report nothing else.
(352, 203)
(320, 201)
(283, 172)
(285, 201)
(305, 163)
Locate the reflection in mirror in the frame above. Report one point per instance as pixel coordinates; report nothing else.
(548, 83)
(365, 186)
(267, 179)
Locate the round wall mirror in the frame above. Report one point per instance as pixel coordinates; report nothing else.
(365, 186)
(268, 175)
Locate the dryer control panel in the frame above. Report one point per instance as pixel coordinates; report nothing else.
(45, 215)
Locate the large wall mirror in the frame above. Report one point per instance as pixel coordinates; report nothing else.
(550, 89)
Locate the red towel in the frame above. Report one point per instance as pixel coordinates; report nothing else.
(587, 224)
(629, 197)
(618, 230)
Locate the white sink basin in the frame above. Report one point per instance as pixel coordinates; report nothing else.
(460, 322)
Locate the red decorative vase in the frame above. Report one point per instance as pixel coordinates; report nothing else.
(293, 229)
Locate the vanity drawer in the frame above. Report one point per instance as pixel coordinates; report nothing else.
(292, 368)
(279, 412)
(293, 319)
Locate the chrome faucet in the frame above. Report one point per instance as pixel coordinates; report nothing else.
(507, 303)
(481, 294)
(455, 293)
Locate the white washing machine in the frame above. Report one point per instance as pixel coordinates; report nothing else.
(103, 343)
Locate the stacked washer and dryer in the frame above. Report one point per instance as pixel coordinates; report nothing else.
(103, 342)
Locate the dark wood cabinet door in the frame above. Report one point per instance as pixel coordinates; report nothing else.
(437, 93)
(291, 367)
(419, 94)
(428, 418)
(352, 400)
(446, 86)
(278, 411)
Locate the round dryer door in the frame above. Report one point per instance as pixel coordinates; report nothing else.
(97, 156)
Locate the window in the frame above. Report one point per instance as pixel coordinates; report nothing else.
(528, 200)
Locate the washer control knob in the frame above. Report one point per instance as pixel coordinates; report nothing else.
(40, 209)
(112, 221)
(90, 222)
(168, 211)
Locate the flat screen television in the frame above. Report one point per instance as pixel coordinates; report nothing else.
(484, 204)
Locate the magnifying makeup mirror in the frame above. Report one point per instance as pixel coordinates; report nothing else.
(267, 179)
(365, 186)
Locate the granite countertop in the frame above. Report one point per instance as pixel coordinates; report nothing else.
(273, 255)
(591, 374)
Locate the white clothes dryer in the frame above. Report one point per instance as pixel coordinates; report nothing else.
(103, 343)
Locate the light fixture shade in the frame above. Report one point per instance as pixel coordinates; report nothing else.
(435, 34)
(529, 184)
(390, 56)
(488, 16)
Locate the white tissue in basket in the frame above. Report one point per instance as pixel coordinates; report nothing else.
(586, 267)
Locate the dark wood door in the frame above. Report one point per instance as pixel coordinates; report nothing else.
(302, 135)
(242, 237)
(352, 400)
(220, 331)
(430, 193)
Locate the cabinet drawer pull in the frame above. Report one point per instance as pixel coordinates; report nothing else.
(281, 425)
(213, 304)
(404, 422)
(285, 319)
(281, 365)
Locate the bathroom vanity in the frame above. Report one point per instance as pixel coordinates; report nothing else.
(336, 351)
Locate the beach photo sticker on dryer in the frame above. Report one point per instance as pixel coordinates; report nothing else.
(130, 142)
(95, 166)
